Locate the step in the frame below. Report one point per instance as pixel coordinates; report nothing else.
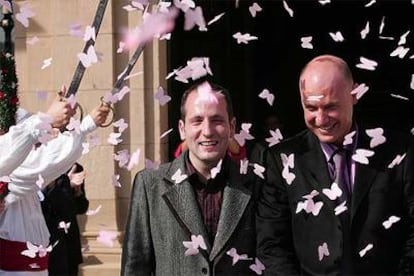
(104, 269)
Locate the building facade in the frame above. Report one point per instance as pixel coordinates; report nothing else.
(50, 27)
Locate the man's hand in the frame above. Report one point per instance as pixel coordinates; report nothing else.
(60, 111)
(100, 113)
(76, 178)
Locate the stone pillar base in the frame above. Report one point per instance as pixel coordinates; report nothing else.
(100, 259)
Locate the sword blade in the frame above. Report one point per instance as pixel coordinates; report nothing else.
(131, 63)
(80, 69)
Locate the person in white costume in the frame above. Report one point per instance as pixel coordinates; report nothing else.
(22, 225)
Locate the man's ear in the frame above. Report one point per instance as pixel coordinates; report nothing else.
(354, 96)
(181, 129)
(232, 127)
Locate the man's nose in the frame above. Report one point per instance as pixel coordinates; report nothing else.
(321, 117)
(207, 128)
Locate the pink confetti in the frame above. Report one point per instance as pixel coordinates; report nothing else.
(179, 177)
(151, 165)
(268, 96)
(121, 125)
(89, 34)
(32, 41)
(107, 238)
(115, 181)
(24, 14)
(258, 267)
(74, 125)
(254, 9)
(41, 95)
(323, 251)
(46, 63)
(89, 58)
(334, 192)
(377, 137)
(361, 156)
(154, 24)
(134, 159)
(194, 245)
(244, 38)
(237, 257)
(194, 17)
(161, 97)
(76, 30)
(275, 138)
(94, 211)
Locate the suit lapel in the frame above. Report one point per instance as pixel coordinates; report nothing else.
(183, 203)
(235, 200)
(312, 167)
(364, 174)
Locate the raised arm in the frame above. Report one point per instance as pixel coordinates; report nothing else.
(16, 144)
(54, 158)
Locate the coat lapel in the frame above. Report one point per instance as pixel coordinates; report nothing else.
(235, 200)
(364, 174)
(312, 166)
(183, 203)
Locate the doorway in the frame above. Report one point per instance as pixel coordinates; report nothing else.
(275, 60)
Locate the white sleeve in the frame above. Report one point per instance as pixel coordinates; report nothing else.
(50, 161)
(16, 144)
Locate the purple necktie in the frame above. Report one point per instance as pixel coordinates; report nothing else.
(341, 176)
(340, 170)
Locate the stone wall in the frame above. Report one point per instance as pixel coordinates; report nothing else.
(146, 119)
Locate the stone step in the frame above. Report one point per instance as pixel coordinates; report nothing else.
(106, 269)
(99, 257)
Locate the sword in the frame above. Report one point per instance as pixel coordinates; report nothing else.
(128, 69)
(120, 81)
(80, 69)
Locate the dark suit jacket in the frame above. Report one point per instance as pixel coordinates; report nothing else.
(61, 204)
(163, 214)
(288, 241)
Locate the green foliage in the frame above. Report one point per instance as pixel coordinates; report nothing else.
(9, 100)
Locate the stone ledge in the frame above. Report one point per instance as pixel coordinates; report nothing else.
(106, 269)
(100, 258)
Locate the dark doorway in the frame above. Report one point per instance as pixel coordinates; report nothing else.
(274, 60)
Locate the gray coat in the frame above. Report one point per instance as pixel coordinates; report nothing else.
(163, 214)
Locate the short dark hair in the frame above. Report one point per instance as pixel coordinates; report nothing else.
(216, 88)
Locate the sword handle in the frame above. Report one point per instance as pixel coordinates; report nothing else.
(112, 111)
(77, 106)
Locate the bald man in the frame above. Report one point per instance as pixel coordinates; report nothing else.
(339, 197)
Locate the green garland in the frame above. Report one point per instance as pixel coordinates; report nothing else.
(9, 100)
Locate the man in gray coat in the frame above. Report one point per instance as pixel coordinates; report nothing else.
(195, 215)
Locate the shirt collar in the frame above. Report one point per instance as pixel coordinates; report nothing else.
(192, 172)
(329, 149)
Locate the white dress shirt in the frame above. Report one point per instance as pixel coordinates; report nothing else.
(22, 219)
